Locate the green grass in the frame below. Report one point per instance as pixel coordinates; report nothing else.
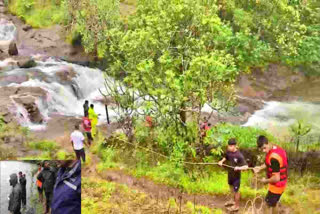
(44, 145)
(38, 15)
(100, 196)
(302, 193)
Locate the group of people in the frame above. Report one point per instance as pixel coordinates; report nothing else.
(276, 165)
(61, 185)
(89, 122)
(18, 195)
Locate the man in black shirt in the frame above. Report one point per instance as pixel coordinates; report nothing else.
(236, 160)
(85, 107)
(48, 178)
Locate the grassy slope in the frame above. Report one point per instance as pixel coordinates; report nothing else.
(100, 196)
(302, 193)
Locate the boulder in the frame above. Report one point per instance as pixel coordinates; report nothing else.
(13, 50)
(26, 62)
(29, 103)
(66, 74)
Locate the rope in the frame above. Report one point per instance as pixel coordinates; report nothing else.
(250, 206)
(185, 162)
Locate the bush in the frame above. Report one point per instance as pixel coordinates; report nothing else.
(43, 145)
(219, 135)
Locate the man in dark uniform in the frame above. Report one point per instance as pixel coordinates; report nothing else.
(67, 190)
(47, 177)
(15, 196)
(236, 160)
(23, 183)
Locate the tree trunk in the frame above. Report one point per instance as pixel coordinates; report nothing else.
(183, 114)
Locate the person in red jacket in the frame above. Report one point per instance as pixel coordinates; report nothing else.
(86, 125)
(276, 164)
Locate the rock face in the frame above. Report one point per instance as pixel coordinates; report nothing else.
(29, 103)
(24, 96)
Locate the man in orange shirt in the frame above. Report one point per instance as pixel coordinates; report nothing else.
(276, 163)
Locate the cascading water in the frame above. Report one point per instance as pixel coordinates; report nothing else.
(63, 97)
(277, 117)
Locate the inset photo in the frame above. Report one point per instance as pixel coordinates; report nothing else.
(40, 187)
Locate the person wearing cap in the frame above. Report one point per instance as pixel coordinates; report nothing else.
(276, 164)
(236, 160)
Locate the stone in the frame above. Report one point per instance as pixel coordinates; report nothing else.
(26, 62)
(27, 27)
(13, 50)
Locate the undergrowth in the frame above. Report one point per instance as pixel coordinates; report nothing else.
(100, 196)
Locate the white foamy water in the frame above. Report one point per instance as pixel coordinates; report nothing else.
(62, 98)
(277, 117)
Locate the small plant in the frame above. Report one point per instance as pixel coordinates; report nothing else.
(299, 129)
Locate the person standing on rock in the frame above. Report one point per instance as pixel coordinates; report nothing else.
(77, 142)
(94, 120)
(48, 178)
(15, 196)
(236, 160)
(85, 107)
(86, 125)
(67, 189)
(23, 183)
(276, 163)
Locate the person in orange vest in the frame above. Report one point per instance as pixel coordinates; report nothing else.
(149, 121)
(39, 184)
(276, 164)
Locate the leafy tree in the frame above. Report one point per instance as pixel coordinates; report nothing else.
(172, 53)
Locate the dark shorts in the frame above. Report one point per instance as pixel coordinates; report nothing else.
(89, 136)
(40, 190)
(235, 182)
(272, 199)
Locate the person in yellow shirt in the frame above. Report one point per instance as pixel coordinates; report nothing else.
(93, 117)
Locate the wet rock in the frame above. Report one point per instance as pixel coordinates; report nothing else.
(8, 34)
(27, 27)
(249, 104)
(26, 62)
(29, 103)
(8, 64)
(66, 74)
(13, 50)
(26, 97)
